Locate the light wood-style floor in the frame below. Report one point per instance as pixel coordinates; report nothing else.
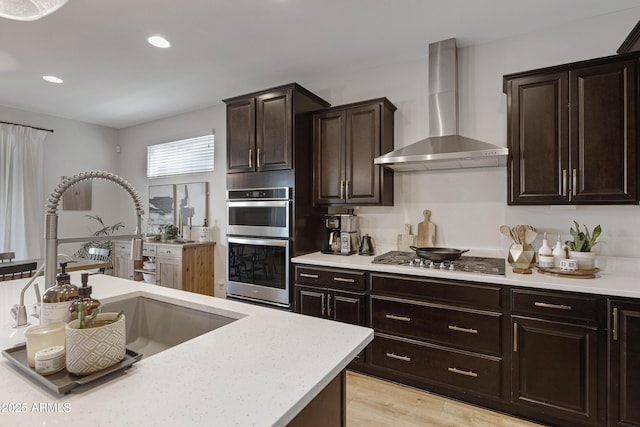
(372, 402)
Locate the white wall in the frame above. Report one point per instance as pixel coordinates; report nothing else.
(74, 147)
(132, 166)
(468, 206)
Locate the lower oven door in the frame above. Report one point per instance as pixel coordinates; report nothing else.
(258, 269)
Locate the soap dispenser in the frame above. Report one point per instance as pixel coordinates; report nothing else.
(84, 300)
(57, 299)
(545, 254)
(558, 253)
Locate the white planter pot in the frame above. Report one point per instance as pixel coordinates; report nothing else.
(93, 349)
(586, 260)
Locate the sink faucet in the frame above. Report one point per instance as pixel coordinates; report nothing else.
(19, 311)
(51, 226)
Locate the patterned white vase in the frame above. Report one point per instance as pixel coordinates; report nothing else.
(93, 349)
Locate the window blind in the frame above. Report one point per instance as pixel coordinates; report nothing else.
(190, 155)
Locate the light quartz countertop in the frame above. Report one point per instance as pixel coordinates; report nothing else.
(259, 370)
(617, 277)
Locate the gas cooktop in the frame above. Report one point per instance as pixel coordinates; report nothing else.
(467, 264)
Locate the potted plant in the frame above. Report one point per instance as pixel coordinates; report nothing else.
(169, 232)
(104, 230)
(580, 248)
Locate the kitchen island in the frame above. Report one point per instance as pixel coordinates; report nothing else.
(262, 369)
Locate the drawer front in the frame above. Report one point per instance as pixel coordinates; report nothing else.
(545, 304)
(449, 367)
(331, 277)
(122, 246)
(169, 251)
(460, 293)
(467, 329)
(149, 250)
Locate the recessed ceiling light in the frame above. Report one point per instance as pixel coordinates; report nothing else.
(52, 79)
(159, 41)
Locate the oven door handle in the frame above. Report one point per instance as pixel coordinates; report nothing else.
(260, 242)
(262, 203)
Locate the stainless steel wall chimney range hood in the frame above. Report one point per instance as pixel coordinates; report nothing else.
(444, 149)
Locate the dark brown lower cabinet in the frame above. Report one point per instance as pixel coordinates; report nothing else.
(331, 304)
(468, 371)
(624, 363)
(554, 368)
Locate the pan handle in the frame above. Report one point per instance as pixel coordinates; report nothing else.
(413, 248)
(463, 251)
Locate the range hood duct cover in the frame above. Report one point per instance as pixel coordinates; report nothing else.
(444, 149)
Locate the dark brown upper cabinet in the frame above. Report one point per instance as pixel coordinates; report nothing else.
(572, 133)
(346, 140)
(261, 127)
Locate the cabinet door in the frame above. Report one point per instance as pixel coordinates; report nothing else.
(241, 131)
(603, 133)
(362, 184)
(122, 262)
(311, 301)
(274, 131)
(169, 272)
(554, 368)
(346, 307)
(624, 362)
(538, 137)
(329, 140)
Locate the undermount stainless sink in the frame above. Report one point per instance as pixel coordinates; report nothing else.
(154, 326)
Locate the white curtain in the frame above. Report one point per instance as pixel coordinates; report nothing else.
(21, 190)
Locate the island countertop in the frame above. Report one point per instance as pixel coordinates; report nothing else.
(259, 370)
(617, 276)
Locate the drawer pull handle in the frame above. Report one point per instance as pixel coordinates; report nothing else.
(615, 324)
(556, 306)
(342, 279)
(394, 317)
(459, 329)
(395, 356)
(309, 276)
(461, 372)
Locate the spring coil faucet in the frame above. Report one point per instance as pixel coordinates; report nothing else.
(51, 225)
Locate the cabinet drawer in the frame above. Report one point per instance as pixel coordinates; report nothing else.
(469, 371)
(456, 292)
(122, 246)
(149, 251)
(331, 277)
(554, 304)
(169, 251)
(464, 328)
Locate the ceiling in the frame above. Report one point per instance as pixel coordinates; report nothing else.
(223, 48)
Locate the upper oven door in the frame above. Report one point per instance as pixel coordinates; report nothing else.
(259, 218)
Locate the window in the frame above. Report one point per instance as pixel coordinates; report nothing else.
(191, 155)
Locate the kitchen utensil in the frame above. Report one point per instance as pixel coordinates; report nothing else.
(367, 245)
(438, 254)
(406, 240)
(529, 236)
(426, 231)
(506, 231)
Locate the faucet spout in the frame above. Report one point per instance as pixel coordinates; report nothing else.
(51, 225)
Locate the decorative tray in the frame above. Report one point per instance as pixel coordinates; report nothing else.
(578, 274)
(62, 382)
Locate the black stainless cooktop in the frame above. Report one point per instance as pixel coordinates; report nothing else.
(468, 264)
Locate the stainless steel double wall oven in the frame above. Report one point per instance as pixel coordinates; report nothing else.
(259, 244)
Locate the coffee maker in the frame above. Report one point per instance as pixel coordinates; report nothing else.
(341, 234)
